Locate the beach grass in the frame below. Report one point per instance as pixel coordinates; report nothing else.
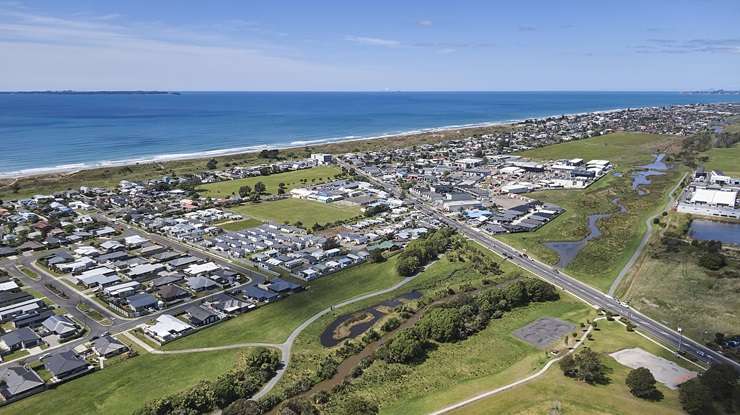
(293, 211)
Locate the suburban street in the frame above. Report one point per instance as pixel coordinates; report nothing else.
(585, 292)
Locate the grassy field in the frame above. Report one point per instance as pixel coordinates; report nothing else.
(602, 258)
(273, 323)
(239, 225)
(724, 159)
(622, 149)
(125, 386)
(671, 287)
(452, 371)
(292, 179)
(293, 210)
(578, 398)
(455, 371)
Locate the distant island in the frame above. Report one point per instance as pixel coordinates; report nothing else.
(70, 92)
(715, 92)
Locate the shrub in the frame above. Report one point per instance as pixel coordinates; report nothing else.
(642, 384)
(406, 347)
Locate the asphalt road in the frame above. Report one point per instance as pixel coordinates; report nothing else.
(585, 292)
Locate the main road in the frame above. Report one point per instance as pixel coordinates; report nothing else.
(585, 292)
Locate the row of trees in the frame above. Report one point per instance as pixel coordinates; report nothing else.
(423, 250)
(462, 317)
(249, 372)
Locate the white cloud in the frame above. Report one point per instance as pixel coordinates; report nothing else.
(425, 23)
(46, 52)
(374, 41)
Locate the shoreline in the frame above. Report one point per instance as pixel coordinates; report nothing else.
(71, 168)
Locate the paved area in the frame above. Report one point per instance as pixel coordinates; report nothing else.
(545, 331)
(664, 371)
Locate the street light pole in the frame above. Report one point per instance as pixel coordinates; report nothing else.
(680, 339)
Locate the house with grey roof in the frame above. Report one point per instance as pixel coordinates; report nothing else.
(108, 346)
(61, 326)
(18, 382)
(200, 283)
(22, 338)
(64, 365)
(141, 302)
(201, 316)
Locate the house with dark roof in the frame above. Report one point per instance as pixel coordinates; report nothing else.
(201, 316)
(282, 286)
(170, 293)
(141, 302)
(200, 283)
(65, 364)
(22, 338)
(108, 346)
(255, 293)
(18, 382)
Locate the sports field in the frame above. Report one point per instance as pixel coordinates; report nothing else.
(293, 210)
(291, 179)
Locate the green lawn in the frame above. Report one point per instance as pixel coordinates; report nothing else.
(239, 225)
(125, 386)
(274, 322)
(725, 159)
(599, 262)
(622, 149)
(298, 210)
(292, 179)
(578, 398)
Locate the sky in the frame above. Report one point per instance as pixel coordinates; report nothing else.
(370, 45)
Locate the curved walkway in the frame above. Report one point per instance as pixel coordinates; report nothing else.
(286, 347)
(522, 381)
(645, 238)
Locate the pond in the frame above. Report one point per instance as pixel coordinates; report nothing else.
(709, 230)
(656, 168)
(568, 250)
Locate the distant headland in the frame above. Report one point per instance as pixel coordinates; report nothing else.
(72, 92)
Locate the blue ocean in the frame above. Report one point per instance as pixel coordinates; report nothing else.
(45, 131)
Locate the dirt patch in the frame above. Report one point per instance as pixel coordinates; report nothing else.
(545, 331)
(666, 372)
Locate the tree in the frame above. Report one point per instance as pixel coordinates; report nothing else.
(406, 347)
(695, 397)
(259, 188)
(443, 324)
(245, 191)
(568, 365)
(212, 163)
(356, 406)
(712, 260)
(589, 367)
(242, 407)
(642, 384)
(226, 390)
(721, 380)
(297, 406)
(407, 266)
(376, 255)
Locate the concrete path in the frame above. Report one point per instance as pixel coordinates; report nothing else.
(522, 381)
